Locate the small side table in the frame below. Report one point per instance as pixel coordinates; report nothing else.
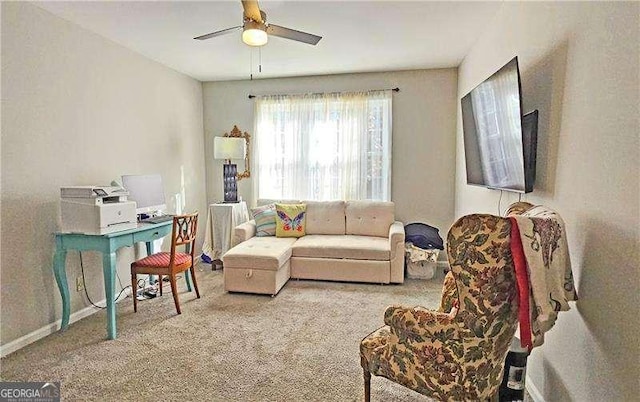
(222, 218)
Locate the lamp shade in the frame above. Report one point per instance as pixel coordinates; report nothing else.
(229, 148)
(254, 33)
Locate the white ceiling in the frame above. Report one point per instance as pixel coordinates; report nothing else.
(358, 36)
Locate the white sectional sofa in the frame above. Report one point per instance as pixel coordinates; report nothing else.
(355, 241)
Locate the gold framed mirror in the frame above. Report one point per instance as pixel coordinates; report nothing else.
(237, 133)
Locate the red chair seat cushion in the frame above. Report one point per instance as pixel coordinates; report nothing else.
(162, 260)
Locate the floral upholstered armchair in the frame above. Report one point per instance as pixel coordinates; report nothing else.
(458, 352)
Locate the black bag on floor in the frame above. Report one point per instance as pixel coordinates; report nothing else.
(423, 236)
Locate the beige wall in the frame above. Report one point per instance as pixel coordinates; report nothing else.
(423, 132)
(78, 109)
(580, 67)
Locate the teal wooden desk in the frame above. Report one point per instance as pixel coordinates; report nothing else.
(107, 244)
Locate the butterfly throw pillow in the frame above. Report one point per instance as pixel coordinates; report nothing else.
(290, 220)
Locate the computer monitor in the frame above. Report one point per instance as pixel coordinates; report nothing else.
(147, 191)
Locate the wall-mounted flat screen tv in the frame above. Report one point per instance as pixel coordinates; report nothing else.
(500, 151)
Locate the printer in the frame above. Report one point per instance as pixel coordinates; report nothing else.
(96, 209)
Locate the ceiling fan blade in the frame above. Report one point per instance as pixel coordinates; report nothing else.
(218, 33)
(292, 34)
(251, 10)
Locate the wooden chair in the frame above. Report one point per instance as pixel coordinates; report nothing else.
(170, 264)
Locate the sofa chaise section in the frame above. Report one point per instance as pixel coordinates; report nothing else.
(258, 265)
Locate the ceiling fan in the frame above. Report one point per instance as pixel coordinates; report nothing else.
(255, 29)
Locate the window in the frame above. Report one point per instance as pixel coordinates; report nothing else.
(324, 146)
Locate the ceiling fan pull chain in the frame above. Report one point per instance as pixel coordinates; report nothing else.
(260, 59)
(251, 63)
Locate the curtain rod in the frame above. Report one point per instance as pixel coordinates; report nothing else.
(396, 89)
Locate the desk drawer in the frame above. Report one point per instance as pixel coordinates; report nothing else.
(151, 234)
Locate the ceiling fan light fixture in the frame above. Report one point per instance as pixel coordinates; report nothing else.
(254, 28)
(254, 33)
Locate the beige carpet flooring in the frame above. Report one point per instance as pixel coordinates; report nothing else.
(301, 345)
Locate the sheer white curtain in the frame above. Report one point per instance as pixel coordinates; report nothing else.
(323, 146)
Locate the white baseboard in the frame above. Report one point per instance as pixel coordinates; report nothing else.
(46, 330)
(55, 326)
(533, 390)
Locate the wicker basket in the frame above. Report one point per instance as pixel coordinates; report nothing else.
(421, 263)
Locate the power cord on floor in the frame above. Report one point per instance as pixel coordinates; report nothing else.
(84, 285)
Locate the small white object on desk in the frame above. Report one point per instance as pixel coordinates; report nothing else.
(222, 218)
(96, 209)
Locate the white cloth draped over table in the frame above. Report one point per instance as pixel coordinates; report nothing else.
(221, 220)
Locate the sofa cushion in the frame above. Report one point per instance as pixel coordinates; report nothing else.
(265, 217)
(259, 253)
(342, 246)
(325, 217)
(369, 218)
(291, 220)
(162, 260)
